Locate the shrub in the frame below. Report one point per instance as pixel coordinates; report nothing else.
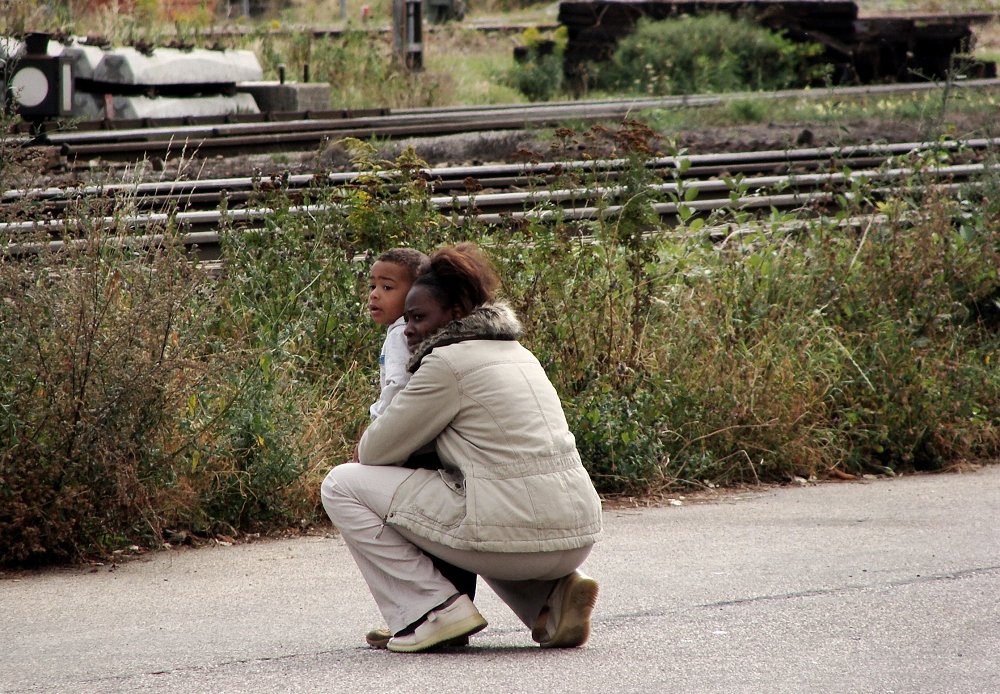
(538, 73)
(708, 53)
(98, 358)
(125, 411)
(770, 355)
(833, 350)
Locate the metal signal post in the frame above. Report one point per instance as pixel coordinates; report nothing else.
(407, 32)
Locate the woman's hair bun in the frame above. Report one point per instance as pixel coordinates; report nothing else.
(461, 275)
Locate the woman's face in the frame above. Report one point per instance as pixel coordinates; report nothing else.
(425, 315)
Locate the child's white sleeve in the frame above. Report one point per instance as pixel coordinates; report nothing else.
(392, 368)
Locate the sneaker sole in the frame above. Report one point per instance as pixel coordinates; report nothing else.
(578, 604)
(538, 631)
(465, 628)
(378, 640)
(382, 642)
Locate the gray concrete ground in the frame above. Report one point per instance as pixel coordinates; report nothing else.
(880, 586)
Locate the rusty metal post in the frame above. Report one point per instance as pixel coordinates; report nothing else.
(407, 33)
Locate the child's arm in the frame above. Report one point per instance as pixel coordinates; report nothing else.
(396, 355)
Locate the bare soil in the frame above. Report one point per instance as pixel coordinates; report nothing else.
(507, 146)
(510, 146)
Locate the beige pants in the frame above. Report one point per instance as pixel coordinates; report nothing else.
(394, 562)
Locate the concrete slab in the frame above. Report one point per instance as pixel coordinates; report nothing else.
(129, 107)
(84, 59)
(170, 66)
(88, 106)
(297, 97)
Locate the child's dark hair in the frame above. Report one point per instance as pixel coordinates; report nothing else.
(410, 258)
(460, 275)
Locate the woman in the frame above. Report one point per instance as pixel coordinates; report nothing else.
(512, 503)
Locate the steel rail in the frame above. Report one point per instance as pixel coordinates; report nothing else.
(185, 194)
(204, 140)
(514, 202)
(200, 230)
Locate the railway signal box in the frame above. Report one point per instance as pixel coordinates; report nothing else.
(41, 85)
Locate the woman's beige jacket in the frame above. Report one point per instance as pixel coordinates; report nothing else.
(513, 480)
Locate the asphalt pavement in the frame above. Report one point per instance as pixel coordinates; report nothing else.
(877, 586)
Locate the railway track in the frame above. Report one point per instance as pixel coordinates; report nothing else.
(807, 180)
(170, 140)
(206, 194)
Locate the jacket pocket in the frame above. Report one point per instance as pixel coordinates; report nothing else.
(431, 498)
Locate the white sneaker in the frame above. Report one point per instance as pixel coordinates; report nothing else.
(460, 618)
(564, 621)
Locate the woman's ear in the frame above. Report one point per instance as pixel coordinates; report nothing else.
(457, 313)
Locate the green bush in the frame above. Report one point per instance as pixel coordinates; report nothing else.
(708, 53)
(539, 73)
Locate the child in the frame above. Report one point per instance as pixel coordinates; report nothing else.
(390, 279)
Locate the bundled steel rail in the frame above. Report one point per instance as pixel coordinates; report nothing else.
(811, 188)
(190, 195)
(206, 139)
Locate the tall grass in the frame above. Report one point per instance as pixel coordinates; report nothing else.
(772, 354)
(140, 396)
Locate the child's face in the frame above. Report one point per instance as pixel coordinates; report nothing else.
(387, 285)
(425, 315)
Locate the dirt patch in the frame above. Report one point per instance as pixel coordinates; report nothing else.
(746, 138)
(510, 145)
(504, 146)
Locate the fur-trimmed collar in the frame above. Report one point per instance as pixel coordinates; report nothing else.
(494, 321)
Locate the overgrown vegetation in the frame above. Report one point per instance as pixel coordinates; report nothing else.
(359, 67)
(142, 399)
(707, 53)
(538, 68)
(938, 113)
(771, 354)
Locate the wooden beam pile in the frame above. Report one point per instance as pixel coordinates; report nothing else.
(876, 49)
(915, 47)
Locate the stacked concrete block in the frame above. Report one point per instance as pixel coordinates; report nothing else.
(172, 67)
(283, 96)
(10, 49)
(137, 107)
(83, 59)
(127, 83)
